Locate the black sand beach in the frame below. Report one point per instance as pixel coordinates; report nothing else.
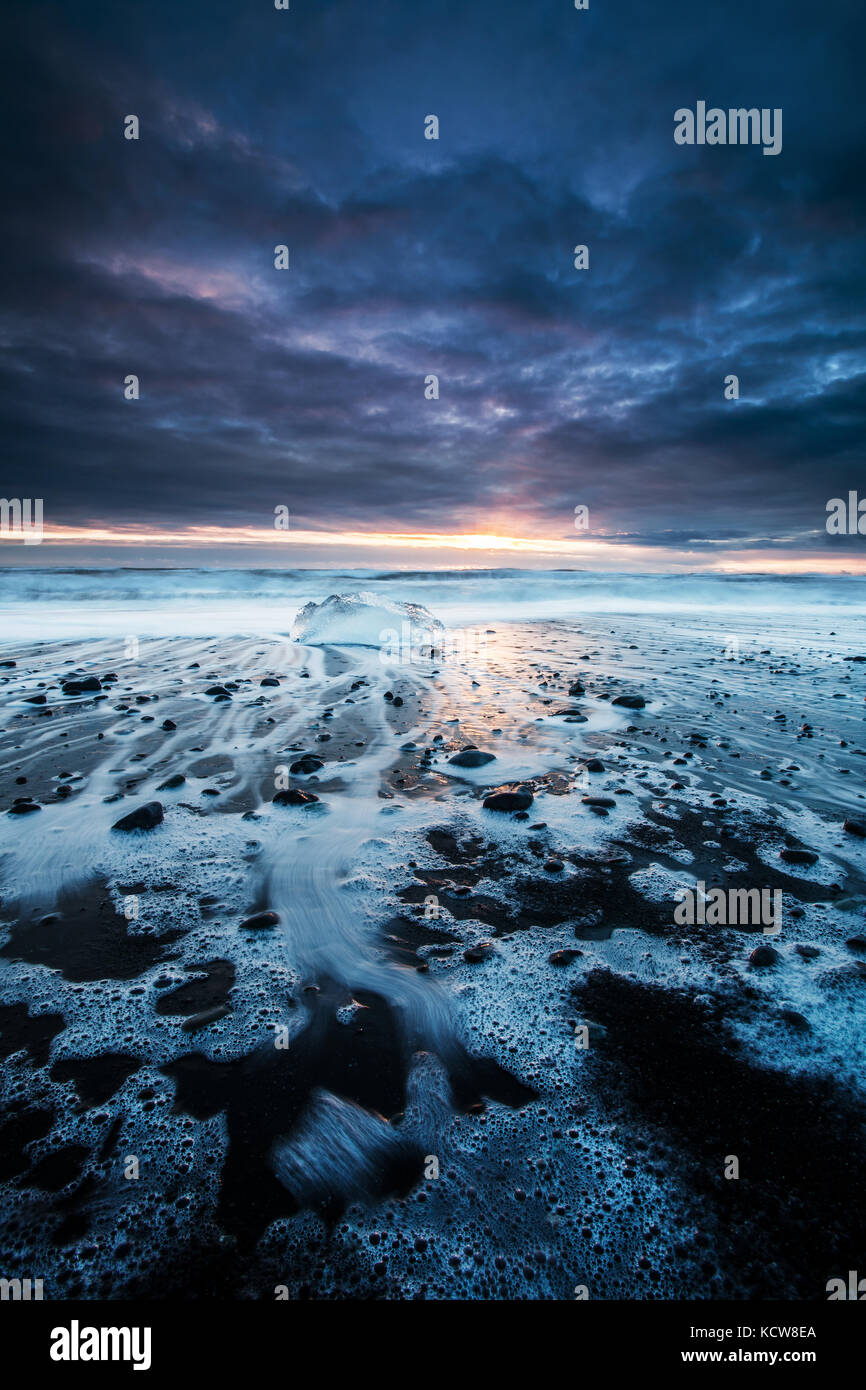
(333, 1026)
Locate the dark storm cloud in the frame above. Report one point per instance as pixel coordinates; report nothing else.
(454, 257)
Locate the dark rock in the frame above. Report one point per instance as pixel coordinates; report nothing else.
(553, 866)
(307, 764)
(168, 725)
(269, 680)
(34, 699)
(472, 757)
(474, 954)
(856, 943)
(798, 856)
(855, 827)
(509, 799)
(795, 1020)
(577, 688)
(177, 779)
(216, 690)
(206, 1016)
(142, 818)
(807, 952)
(23, 806)
(595, 801)
(630, 701)
(593, 765)
(82, 687)
(261, 919)
(294, 797)
(763, 955)
(563, 957)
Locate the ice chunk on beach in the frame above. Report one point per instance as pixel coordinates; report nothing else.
(338, 1150)
(368, 620)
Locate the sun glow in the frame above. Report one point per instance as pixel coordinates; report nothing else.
(260, 535)
(306, 547)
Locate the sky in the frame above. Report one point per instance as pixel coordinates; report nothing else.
(304, 389)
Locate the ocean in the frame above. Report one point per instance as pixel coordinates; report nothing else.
(77, 603)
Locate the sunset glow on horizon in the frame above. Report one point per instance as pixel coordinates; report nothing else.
(606, 552)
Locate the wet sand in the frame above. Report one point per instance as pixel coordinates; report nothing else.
(383, 1092)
